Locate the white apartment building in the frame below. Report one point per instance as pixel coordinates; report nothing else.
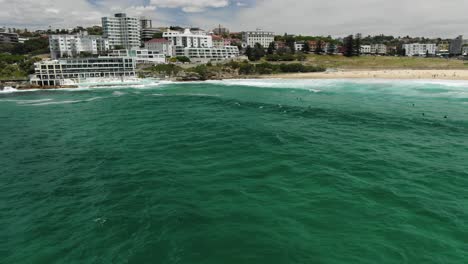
(298, 46)
(122, 31)
(73, 45)
(197, 46)
(365, 49)
(380, 49)
(417, 49)
(163, 46)
(141, 55)
(204, 55)
(189, 39)
(250, 38)
(67, 71)
(8, 38)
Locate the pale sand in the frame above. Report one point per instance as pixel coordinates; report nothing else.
(378, 74)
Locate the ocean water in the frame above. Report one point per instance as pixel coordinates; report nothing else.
(251, 171)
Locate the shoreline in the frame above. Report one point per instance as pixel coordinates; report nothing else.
(428, 75)
(376, 74)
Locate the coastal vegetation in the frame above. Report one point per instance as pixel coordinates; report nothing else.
(232, 69)
(34, 46)
(270, 68)
(16, 66)
(17, 60)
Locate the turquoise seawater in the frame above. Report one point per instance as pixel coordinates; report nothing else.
(252, 171)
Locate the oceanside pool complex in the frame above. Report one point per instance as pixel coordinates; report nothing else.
(68, 71)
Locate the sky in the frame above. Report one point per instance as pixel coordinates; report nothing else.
(428, 18)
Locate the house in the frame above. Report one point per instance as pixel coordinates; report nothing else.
(163, 46)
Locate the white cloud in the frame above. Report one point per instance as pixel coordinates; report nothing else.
(315, 17)
(69, 13)
(342, 17)
(190, 6)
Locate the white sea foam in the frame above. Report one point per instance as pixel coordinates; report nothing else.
(305, 83)
(65, 102)
(117, 93)
(426, 88)
(56, 103)
(26, 102)
(198, 94)
(8, 89)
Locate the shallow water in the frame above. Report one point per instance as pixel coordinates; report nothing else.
(242, 171)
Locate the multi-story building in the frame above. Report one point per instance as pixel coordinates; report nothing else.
(220, 30)
(299, 46)
(456, 45)
(264, 38)
(163, 46)
(8, 38)
(365, 49)
(23, 40)
(71, 71)
(443, 48)
(122, 31)
(189, 39)
(218, 41)
(148, 33)
(374, 49)
(380, 49)
(417, 49)
(204, 55)
(145, 23)
(74, 45)
(198, 46)
(279, 45)
(140, 55)
(147, 30)
(317, 44)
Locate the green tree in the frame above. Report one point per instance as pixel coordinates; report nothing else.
(271, 48)
(258, 51)
(249, 53)
(400, 51)
(290, 42)
(331, 48)
(201, 70)
(246, 68)
(306, 48)
(357, 45)
(348, 45)
(319, 47)
(168, 69)
(157, 35)
(183, 59)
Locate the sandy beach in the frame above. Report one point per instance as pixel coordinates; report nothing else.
(379, 74)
